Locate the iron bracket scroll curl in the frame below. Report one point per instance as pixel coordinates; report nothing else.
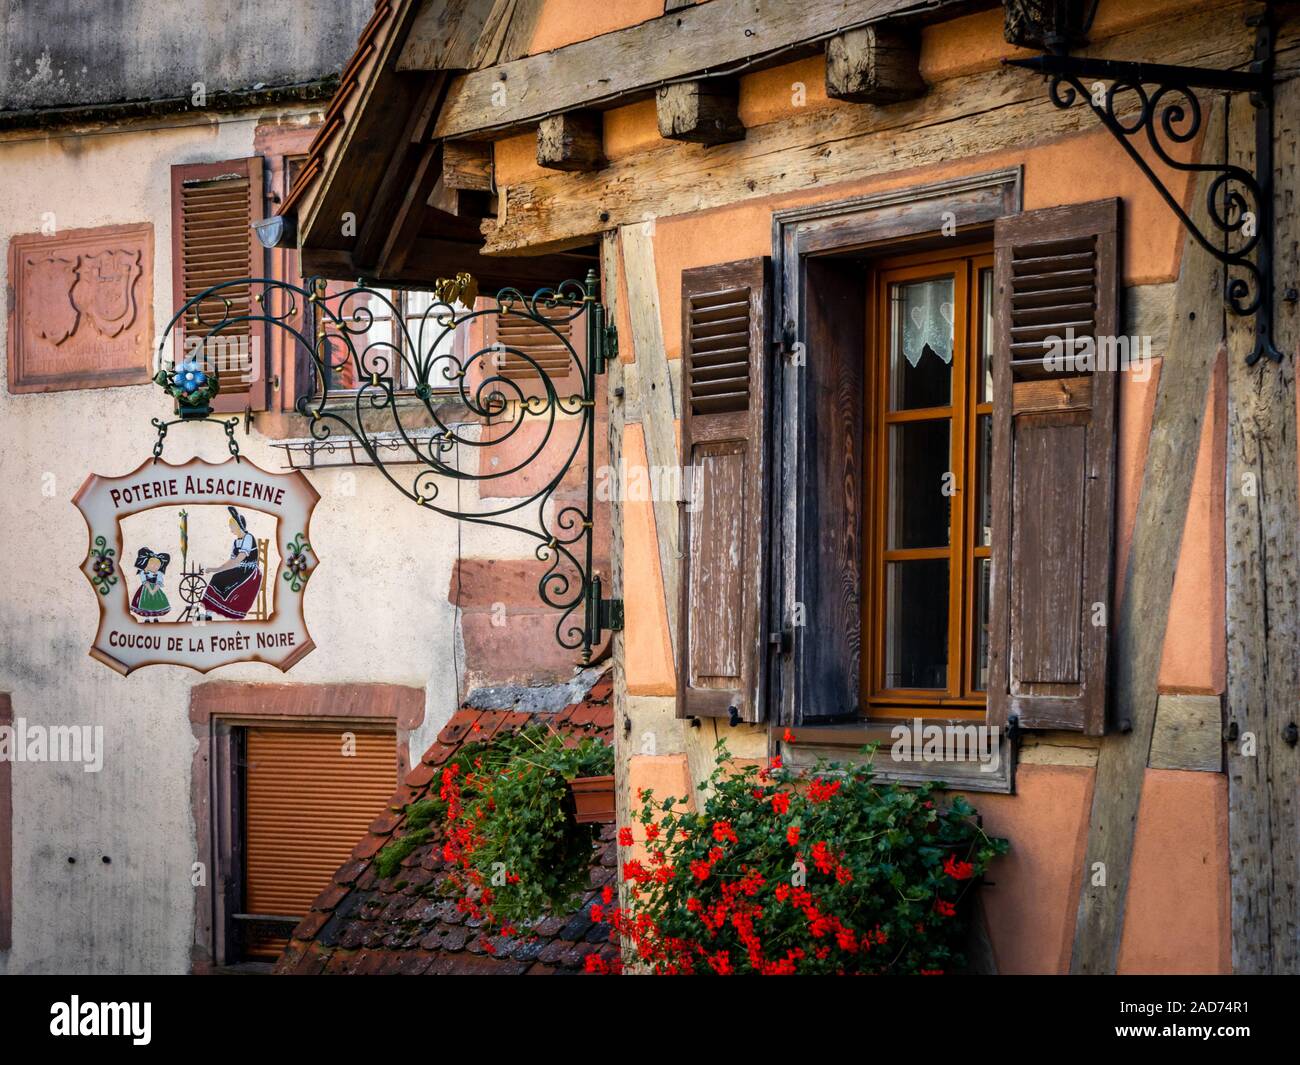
(1160, 102)
(448, 398)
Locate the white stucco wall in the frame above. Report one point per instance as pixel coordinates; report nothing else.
(377, 607)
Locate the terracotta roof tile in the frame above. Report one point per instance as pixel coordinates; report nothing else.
(419, 776)
(384, 824)
(329, 898)
(364, 924)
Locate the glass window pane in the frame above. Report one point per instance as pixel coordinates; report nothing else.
(983, 485)
(916, 624)
(918, 468)
(986, 337)
(921, 332)
(980, 602)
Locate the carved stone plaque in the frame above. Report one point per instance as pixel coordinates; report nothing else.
(81, 310)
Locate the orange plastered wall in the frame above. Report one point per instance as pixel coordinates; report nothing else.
(562, 22)
(1177, 914)
(647, 646)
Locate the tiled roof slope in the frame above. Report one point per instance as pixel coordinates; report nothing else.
(335, 118)
(361, 924)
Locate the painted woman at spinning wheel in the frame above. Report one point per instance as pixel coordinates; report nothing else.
(233, 587)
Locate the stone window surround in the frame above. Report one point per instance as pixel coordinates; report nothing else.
(215, 706)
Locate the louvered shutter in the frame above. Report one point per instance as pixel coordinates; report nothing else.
(307, 804)
(723, 530)
(213, 208)
(528, 349)
(1053, 463)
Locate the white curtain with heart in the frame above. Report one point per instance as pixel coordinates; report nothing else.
(927, 319)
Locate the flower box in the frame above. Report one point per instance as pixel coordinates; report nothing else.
(593, 800)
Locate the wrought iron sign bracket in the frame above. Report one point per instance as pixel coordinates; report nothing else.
(1169, 113)
(388, 393)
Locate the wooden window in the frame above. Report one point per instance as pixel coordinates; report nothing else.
(394, 328)
(721, 642)
(927, 488)
(307, 797)
(213, 208)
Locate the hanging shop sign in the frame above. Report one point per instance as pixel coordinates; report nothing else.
(199, 564)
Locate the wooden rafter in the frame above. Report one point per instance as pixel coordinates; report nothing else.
(631, 63)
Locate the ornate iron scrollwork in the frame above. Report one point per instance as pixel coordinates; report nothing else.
(420, 374)
(1169, 113)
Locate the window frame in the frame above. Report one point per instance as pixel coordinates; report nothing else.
(960, 699)
(398, 297)
(218, 709)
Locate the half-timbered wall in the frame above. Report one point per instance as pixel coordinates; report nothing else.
(671, 208)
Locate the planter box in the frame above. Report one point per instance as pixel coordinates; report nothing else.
(593, 800)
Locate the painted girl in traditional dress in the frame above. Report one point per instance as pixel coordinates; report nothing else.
(234, 586)
(150, 601)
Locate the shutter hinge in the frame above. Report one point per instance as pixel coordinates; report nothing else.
(611, 615)
(603, 615)
(787, 342)
(781, 642)
(606, 344)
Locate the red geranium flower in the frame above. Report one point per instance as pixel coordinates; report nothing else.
(822, 790)
(625, 837)
(792, 835)
(958, 870)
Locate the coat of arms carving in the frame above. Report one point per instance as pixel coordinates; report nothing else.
(49, 312)
(105, 291)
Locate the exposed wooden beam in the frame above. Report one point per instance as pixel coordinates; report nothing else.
(461, 203)
(430, 258)
(405, 162)
(704, 112)
(616, 402)
(1143, 612)
(467, 165)
(987, 111)
(571, 141)
(1189, 732)
(1263, 579)
(633, 62)
(404, 224)
(874, 65)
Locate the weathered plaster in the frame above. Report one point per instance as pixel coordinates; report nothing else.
(377, 606)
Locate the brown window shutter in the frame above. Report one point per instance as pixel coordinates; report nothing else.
(723, 528)
(213, 208)
(306, 806)
(1053, 469)
(529, 349)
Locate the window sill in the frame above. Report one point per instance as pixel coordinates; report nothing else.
(288, 426)
(845, 743)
